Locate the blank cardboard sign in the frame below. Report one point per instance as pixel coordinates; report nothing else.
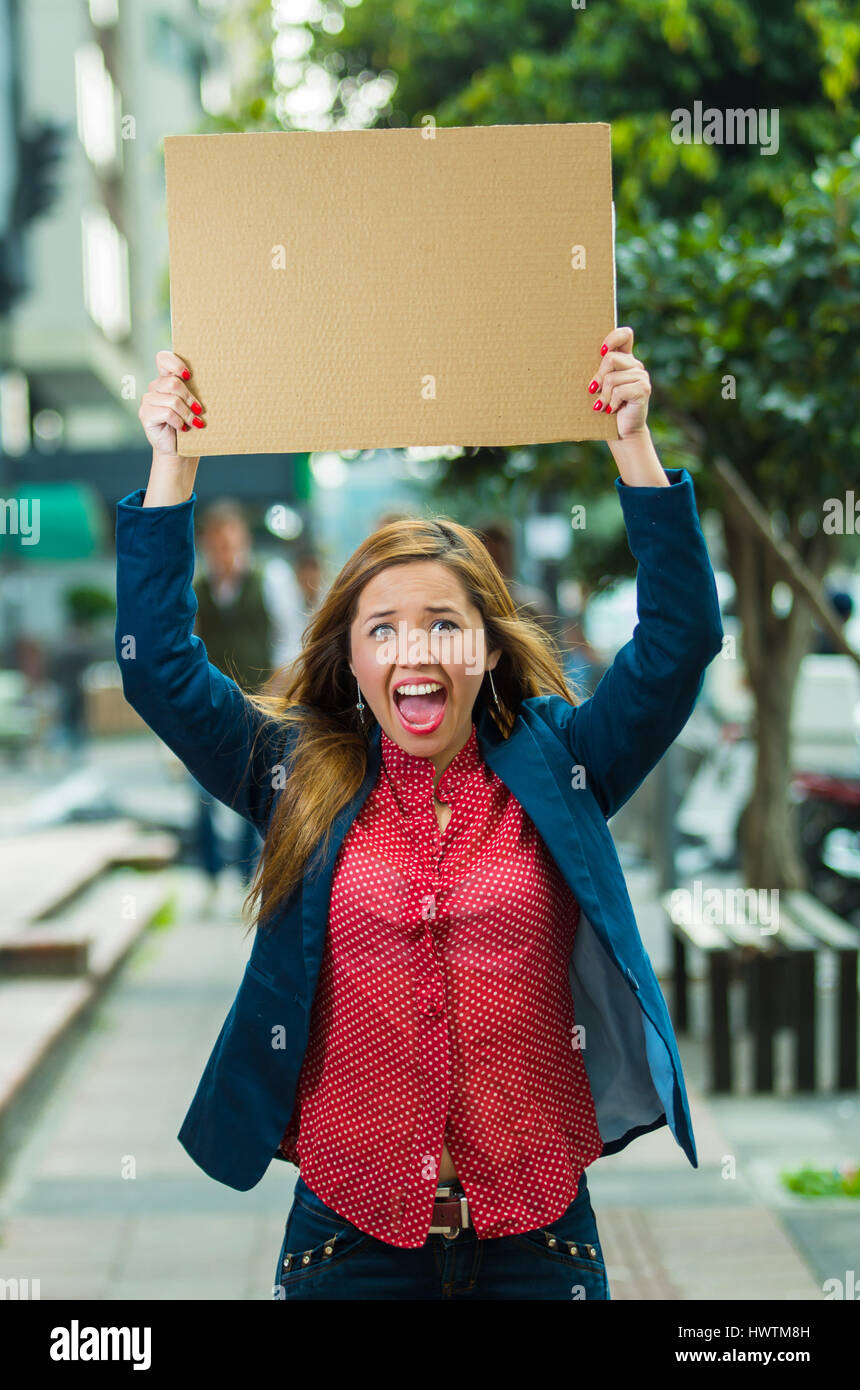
(363, 289)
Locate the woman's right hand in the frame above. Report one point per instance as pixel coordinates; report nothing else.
(167, 405)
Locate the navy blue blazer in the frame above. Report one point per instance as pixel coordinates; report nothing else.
(247, 1091)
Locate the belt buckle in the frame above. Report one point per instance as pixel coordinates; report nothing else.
(452, 1231)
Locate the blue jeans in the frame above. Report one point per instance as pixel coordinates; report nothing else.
(359, 1266)
(212, 855)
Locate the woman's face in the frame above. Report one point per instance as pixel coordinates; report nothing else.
(418, 652)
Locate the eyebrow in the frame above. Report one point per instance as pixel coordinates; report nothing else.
(431, 608)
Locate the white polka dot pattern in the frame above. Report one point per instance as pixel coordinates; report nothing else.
(443, 1013)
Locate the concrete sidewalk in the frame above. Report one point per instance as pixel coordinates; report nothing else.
(104, 1203)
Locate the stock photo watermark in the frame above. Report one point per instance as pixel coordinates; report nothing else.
(841, 515)
(19, 1290)
(738, 906)
(19, 516)
(77, 1343)
(734, 126)
(465, 647)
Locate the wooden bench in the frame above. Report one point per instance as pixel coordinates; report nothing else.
(708, 938)
(777, 972)
(61, 906)
(844, 940)
(780, 992)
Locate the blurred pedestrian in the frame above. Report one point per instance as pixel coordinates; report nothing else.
(309, 575)
(69, 656)
(250, 618)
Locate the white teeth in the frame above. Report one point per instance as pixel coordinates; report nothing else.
(426, 689)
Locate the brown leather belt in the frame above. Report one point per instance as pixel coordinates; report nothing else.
(450, 1211)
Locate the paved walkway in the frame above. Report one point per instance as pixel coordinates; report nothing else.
(104, 1202)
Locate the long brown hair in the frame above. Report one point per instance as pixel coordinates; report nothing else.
(328, 757)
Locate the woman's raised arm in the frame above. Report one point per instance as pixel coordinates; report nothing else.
(198, 711)
(643, 701)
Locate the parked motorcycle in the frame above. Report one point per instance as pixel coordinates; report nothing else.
(825, 782)
(828, 820)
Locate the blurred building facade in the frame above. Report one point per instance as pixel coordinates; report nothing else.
(88, 90)
(115, 77)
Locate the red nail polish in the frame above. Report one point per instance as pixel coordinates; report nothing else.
(197, 407)
(593, 386)
(604, 350)
(598, 405)
(185, 374)
(201, 424)
(185, 427)
(609, 410)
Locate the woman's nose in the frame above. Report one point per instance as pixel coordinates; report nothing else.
(413, 648)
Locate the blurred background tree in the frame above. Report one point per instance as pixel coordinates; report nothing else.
(738, 266)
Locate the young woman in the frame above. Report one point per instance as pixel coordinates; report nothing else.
(448, 1012)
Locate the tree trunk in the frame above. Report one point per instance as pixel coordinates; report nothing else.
(773, 648)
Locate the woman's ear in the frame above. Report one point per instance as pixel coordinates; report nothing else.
(492, 659)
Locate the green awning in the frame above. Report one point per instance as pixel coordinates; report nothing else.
(52, 521)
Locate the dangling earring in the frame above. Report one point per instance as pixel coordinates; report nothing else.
(360, 703)
(493, 688)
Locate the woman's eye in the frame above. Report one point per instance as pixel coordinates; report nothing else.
(380, 628)
(447, 624)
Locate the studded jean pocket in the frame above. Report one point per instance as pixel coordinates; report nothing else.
(572, 1241)
(315, 1239)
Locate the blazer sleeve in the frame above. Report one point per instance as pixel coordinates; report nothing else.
(199, 712)
(645, 698)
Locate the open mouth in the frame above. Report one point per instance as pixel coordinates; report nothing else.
(420, 705)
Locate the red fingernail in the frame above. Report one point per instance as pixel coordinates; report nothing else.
(185, 427)
(598, 405)
(609, 410)
(604, 350)
(185, 374)
(593, 386)
(197, 407)
(201, 424)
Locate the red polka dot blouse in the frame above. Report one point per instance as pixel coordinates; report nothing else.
(443, 1013)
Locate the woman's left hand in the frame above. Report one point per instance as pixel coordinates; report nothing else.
(622, 384)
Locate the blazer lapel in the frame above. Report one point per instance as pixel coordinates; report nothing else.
(520, 763)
